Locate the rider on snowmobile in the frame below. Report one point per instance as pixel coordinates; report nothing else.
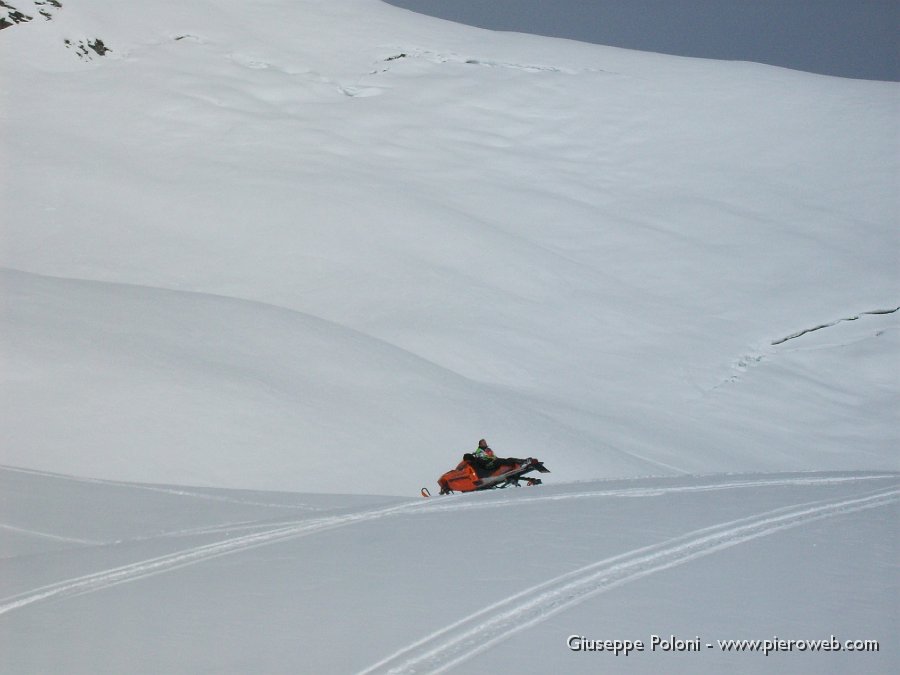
(484, 452)
(484, 458)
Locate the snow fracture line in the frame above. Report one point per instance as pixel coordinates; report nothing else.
(794, 336)
(462, 640)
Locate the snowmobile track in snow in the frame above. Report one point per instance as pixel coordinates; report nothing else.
(172, 561)
(465, 638)
(654, 491)
(295, 529)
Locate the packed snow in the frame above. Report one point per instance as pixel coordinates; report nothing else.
(269, 268)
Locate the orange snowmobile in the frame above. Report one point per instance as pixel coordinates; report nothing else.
(475, 474)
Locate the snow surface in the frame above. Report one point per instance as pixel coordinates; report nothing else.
(268, 268)
(103, 577)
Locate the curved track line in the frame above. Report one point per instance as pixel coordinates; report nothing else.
(296, 529)
(463, 639)
(649, 491)
(48, 535)
(150, 567)
(172, 490)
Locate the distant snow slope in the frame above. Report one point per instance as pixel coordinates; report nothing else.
(326, 246)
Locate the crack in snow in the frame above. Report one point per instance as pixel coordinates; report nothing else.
(763, 353)
(794, 336)
(443, 57)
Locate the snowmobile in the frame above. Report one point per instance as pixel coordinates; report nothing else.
(471, 474)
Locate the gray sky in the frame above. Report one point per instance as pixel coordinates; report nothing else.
(848, 38)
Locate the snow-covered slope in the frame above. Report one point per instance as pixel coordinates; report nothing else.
(281, 250)
(321, 229)
(391, 235)
(110, 578)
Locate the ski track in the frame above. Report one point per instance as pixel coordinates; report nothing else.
(295, 529)
(660, 491)
(465, 638)
(178, 492)
(153, 566)
(48, 535)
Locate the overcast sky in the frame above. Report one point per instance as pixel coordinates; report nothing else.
(848, 38)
